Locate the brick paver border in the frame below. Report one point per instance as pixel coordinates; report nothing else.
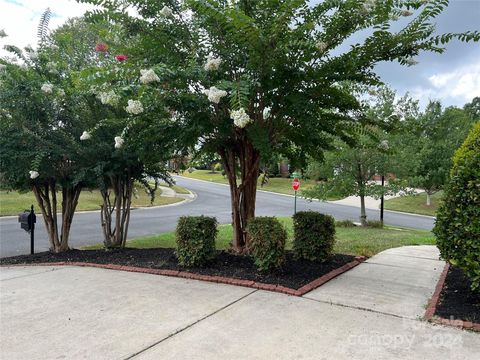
(217, 279)
(433, 303)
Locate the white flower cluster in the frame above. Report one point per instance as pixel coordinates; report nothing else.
(240, 118)
(214, 94)
(148, 76)
(266, 113)
(47, 88)
(118, 142)
(384, 145)
(108, 98)
(166, 11)
(33, 174)
(411, 61)
(321, 46)
(134, 107)
(368, 6)
(85, 136)
(212, 63)
(51, 67)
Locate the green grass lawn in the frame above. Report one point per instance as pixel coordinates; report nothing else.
(415, 204)
(277, 184)
(354, 240)
(13, 202)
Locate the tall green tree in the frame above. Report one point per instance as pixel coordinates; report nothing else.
(246, 79)
(350, 168)
(41, 120)
(429, 143)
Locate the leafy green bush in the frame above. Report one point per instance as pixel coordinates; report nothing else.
(218, 166)
(314, 235)
(345, 223)
(266, 244)
(195, 237)
(457, 226)
(376, 224)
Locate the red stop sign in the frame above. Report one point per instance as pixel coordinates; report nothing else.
(296, 184)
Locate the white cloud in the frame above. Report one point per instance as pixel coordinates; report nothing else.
(20, 18)
(457, 86)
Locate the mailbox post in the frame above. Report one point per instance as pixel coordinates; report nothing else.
(27, 221)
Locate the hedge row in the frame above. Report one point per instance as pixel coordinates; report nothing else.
(314, 236)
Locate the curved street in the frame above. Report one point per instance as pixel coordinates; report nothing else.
(211, 199)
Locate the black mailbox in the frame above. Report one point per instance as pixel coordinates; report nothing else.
(26, 220)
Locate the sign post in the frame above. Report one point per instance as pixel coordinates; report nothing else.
(295, 186)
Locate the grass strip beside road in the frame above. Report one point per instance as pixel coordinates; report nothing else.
(415, 204)
(275, 184)
(13, 202)
(351, 241)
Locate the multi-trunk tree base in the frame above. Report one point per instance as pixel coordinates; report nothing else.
(46, 195)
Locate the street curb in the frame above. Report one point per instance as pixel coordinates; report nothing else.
(327, 202)
(433, 303)
(185, 200)
(211, 278)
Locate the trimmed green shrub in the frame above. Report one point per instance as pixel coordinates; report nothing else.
(457, 227)
(195, 238)
(314, 235)
(266, 243)
(376, 224)
(345, 223)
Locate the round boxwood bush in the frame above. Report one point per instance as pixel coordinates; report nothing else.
(266, 242)
(457, 227)
(314, 235)
(195, 238)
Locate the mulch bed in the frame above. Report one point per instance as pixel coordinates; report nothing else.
(457, 300)
(294, 275)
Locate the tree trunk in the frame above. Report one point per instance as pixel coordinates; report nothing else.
(363, 213)
(115, 236)
(429, 198)
(46, 195)
(243, 196)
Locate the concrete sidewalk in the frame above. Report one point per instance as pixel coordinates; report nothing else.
(398, 281)
(73, 313)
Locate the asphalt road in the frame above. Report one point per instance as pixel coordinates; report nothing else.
(211, 199)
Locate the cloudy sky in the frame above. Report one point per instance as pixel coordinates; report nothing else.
(453, 77)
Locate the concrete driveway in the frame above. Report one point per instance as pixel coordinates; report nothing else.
(89, 313)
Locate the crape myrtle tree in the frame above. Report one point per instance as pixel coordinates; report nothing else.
(246, 79)
(41, 118)
(127, 145)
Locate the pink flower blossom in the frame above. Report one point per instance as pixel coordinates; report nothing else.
(121, 57)
(101, 47)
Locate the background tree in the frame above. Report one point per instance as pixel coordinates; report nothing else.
(350, 170)
(254, 78)
(429, 142)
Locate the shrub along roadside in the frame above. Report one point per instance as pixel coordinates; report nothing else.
(458, 220)
(267, 242)
(314, 235)
(195, 240)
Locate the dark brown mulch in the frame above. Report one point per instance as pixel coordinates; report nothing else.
(457, 300)
(294, 274)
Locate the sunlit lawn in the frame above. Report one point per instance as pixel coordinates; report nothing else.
(415, 204)
(13, 202)
(354, 240)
